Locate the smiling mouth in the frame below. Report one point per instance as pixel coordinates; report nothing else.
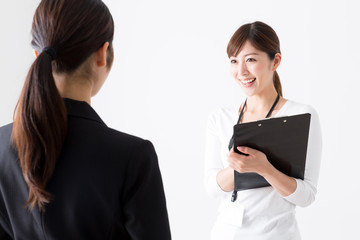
(248, 81)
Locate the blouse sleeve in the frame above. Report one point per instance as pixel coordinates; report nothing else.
(306, 189)
(213, 162)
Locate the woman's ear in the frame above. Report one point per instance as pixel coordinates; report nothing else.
(36, 54)
(101, 55)
(277, 60)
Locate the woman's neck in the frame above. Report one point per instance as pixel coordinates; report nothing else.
(261, 102)
(74, 88)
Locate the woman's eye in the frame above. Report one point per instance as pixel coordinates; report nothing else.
(233, 61)
(250, 60)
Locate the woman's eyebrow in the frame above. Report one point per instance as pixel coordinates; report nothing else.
(251, 54)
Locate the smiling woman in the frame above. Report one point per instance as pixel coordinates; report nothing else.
(267, 212)
(253, 70)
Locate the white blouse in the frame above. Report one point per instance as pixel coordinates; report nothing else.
(267, 214)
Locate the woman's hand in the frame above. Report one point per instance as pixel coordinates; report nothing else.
(256, 161)
(253, 161)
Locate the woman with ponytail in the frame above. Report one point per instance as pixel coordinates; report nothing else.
(266, 212)
(63, 173)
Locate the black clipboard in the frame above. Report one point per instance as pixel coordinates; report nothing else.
(283, 140)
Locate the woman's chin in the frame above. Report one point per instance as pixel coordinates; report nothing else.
(248, 91)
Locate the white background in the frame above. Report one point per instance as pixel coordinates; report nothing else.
(171, 71)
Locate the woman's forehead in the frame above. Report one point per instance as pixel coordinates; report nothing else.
(248, 49)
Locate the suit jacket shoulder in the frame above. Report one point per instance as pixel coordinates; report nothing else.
(106, 185)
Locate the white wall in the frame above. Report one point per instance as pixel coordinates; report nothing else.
(171, 71)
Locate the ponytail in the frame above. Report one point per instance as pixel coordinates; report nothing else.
(277, 84)
(39, 129)
(65, 39)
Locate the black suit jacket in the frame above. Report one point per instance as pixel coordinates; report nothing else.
(106, 185)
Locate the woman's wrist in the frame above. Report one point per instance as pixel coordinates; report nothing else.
(282, 183)
(267, 170)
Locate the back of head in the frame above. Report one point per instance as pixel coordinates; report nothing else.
(65, 33)
(74, 28)
(263, 38)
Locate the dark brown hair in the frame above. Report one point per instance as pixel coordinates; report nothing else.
(263, 38)
(74, 29)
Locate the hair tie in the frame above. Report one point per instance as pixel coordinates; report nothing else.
(51, 52)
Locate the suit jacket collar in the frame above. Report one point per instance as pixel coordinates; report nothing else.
(82, 110)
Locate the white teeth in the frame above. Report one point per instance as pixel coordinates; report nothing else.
(248, 81)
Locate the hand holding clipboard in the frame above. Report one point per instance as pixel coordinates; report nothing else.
(283, 140)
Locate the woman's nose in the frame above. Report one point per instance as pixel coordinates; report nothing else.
(242, 70)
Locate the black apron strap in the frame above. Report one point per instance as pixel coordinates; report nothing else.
(231, 143)
(273, 106)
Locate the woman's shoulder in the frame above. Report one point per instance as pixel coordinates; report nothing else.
(125, 138)
(225, 112)
(5, 135)
(6, 129)
(293, 107)
(222, 118)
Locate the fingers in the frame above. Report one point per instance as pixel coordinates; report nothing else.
(247, 150)
(238, 157)
(238, 166)
(237, 161)
(233, 156)
(252, 161)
